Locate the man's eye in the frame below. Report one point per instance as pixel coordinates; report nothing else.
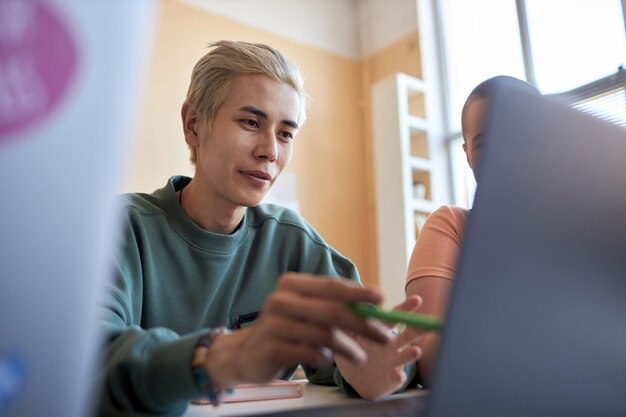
(287, 135)
(251, 122)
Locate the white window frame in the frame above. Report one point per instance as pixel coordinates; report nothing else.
(529, 69)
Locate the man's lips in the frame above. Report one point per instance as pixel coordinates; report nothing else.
(262, 175)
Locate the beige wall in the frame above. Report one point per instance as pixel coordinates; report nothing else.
(332, 154)
(401, 56)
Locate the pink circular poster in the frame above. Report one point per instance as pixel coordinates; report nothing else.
(37, 62)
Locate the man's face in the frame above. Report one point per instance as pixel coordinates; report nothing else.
(474, 131)
(250, 141)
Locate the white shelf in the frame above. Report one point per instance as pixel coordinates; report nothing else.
(397, 133)
(424, 206)
(421, 164)
(417, 123)
(413, 85)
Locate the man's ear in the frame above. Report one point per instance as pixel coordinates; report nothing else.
(190, 123)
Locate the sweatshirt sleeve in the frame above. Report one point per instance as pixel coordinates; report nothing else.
(145, 372)
(438, 245)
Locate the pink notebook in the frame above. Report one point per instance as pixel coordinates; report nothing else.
(275, 390)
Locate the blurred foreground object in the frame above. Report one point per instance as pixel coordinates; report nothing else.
(67, 89)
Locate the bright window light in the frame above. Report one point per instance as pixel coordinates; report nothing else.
(575, 42)
(482, 40)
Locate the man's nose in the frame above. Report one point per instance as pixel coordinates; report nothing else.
(267, 146)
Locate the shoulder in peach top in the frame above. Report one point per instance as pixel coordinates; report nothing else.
(439, 244)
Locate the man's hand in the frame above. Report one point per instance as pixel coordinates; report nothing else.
(384, 371)
(305, 320)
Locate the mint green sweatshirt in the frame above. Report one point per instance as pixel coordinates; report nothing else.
(175, 280)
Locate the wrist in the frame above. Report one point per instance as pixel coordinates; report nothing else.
(208, 381)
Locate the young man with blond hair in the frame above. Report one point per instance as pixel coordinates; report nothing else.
(213, 289)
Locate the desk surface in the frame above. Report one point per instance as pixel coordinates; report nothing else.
(314, 396)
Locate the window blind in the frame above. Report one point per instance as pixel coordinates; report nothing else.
(604, 98)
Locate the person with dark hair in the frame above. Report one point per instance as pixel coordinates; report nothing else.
(432, 266)
(431, 269)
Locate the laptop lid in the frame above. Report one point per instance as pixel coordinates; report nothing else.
(67, 87)
(537, 320)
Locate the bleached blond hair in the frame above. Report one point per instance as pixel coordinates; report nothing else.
(211, 78)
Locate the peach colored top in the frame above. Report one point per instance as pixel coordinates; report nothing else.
(439, 244)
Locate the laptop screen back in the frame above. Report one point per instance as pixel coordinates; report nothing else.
(537, 323)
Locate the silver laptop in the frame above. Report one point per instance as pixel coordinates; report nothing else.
(67, 84)
(537, 320)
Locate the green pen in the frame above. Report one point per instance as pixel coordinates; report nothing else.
(410, 319)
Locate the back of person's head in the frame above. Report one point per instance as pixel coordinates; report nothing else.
(484, 90)
(212, 76)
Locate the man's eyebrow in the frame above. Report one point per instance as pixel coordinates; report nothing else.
(290, 123)
(255, 111)
(263, 115)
